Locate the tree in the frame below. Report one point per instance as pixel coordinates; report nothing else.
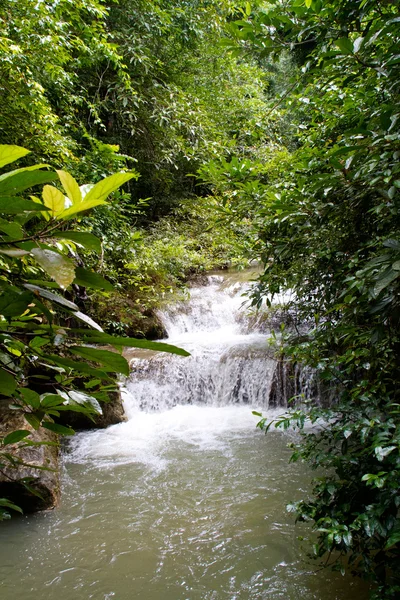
(329, 230)
(48, 364)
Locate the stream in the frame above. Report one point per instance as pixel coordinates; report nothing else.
(186, 500)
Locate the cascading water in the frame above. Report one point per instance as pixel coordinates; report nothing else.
(185, 500)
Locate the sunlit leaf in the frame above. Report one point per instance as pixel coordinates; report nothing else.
(9, 154)
(60, 268)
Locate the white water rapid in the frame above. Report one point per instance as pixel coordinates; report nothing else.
(186, 500)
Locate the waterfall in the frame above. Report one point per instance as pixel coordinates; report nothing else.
(227, 365)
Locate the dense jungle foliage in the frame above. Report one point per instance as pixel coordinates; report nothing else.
(264, 130)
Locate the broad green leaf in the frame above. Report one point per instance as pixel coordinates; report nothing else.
(30, 397)
(384, 280)
(85, 400)
(93, 337)
(98, 193)
(33, 420)
(111, 360)
(345, 45)
(91, 280)
(11, 229)
(12, 205)
(51, 296)
(51, 401)
(9, 504)
(80, 315)
(101, 190)
(9, 154)
(16, 436)
(71, 186)
(14, 252)
(87, 240)
(381, 453)
(22, 179)
(53, 199)
(57, 428)
(14, 304)
(60, 268)
(80, 367)
(7, 383)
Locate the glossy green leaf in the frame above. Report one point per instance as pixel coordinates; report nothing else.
(92, 280)
(85, 400)
(104, 338)
(22, 179)
(9, 154)
(53, 199)
(12, 205)
(7, 383)
(33, 420)
(97, 195)
(57, 428)
(51, 296)
(111, 360)
(71, 187)
(60, 268)
(30, 397)
(16, 436)
(345, 45)
(87, 240)
(11, 229)
(79, 366)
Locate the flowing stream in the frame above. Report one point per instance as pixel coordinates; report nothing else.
(186, 500)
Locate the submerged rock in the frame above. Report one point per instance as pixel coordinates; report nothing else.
(44, 482)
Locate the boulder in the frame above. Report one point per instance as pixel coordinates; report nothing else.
(43, 481)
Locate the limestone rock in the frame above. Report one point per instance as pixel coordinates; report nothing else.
(45, 482)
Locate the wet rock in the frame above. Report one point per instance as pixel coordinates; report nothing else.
(44, 482)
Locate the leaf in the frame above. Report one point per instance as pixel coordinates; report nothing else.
(22, 179)
(345, 45)
(382, 452)
(104, 338)
(14, 252)
(91, 280)
(80, 367)
(7, 383)
(86, 319)
(57, 428)
(357, 44)
(11, 229)
(51, 296)
(53, 199)
(30, 397)
(33, 420)
(85, 400)
(98, 193)
(60, 268)
(9, 504)
(87, 240)
(12, 205)
(384, 280)
(112, 361)
(9, 154)
(71, 186)
(16, 436)
(14, 304)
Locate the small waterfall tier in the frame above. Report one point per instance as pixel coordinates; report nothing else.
(228, 365)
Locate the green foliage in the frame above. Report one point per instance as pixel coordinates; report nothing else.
(38, 375)
(328, 228)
